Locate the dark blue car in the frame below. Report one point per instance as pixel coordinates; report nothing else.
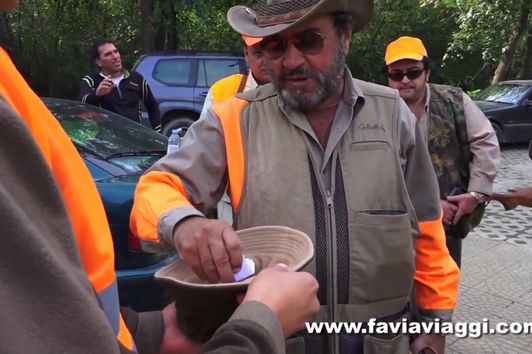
(508, 106)
(117, 151)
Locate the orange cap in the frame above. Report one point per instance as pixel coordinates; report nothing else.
(405, 48)
(250, 41)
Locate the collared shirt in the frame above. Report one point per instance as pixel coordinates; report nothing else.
(352, 100)
(482, 143)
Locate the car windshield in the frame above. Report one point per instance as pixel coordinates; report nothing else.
(107, 135)
(502, 93)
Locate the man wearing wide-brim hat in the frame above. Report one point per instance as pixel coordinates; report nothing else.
(337, 158)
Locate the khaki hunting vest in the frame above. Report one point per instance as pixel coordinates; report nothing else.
(362, 227)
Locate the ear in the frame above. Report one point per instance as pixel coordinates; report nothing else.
(428, 75)
(98, 62)
(346, 40)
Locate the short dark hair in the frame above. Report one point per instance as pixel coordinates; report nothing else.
(426, 63)
(342, 22)
(94, 51)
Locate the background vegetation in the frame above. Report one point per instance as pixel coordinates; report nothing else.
(470, 42)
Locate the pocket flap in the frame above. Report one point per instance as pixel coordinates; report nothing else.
(369, 146)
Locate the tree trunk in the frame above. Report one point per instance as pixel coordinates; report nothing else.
(6, 38)
(526, 68)
(501, 73)
(146, 29)
(172, 30)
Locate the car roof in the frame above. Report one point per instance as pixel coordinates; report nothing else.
(193, 54)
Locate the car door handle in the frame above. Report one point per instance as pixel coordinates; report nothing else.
(203, 94)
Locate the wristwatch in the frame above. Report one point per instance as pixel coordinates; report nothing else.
(481, 198)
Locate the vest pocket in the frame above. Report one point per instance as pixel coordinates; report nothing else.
(399, 344)
(369, 146)
(381, 256)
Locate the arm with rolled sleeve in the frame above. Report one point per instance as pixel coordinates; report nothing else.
(436, 274)
(188, 182)
(484, 147)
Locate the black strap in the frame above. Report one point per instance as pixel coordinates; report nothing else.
(242, 83)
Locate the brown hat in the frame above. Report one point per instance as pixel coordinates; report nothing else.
(274, 16)
(203, 307)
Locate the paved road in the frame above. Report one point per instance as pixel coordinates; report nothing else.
(496, 281)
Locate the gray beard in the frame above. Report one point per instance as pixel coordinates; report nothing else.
(328, 83)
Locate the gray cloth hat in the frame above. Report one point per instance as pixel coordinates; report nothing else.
(203, 307)
(274, 16)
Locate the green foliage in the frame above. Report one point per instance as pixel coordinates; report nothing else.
(392, 19)
(473, 93)
(49, 38)
(216, 35)
(482, 30)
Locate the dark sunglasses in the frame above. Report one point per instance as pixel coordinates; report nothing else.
(309, 42)
(411, 74)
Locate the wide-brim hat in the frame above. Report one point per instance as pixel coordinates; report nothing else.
(203, 307)
(274, 16)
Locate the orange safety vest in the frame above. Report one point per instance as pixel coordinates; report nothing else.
(228, 87)
(77, 188)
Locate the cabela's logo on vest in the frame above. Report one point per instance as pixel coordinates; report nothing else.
(370, 126)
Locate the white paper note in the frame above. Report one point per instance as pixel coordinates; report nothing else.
(247, 270)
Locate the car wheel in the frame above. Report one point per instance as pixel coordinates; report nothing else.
(498, 132)
(177, 122)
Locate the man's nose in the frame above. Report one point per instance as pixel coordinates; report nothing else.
(292, 58)
(405, 80)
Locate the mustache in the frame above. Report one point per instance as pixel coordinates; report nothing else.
(300, 70)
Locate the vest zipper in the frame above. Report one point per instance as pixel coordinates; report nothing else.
(331, 265)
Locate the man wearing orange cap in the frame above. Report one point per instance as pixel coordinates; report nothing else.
(232, 85)
(461, 141)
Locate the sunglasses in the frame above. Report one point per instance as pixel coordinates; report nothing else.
(411, 74)
(309, 42)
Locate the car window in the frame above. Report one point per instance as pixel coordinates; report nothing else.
(502, 93)
(212, 70)
(173, 72)
(108, 136)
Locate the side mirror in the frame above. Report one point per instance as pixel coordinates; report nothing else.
(528, 103)
(530, 149)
